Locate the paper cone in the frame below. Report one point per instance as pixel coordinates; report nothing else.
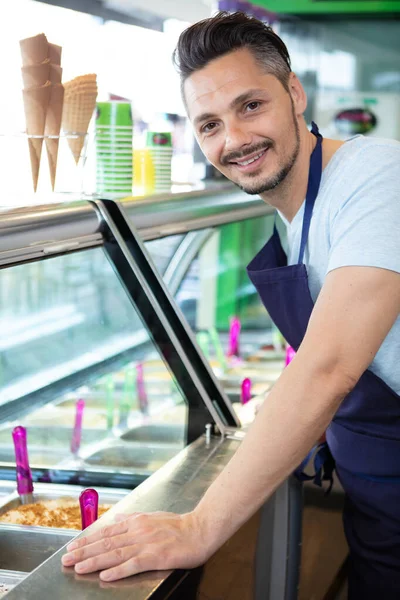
(52, 127)
(35, 75)
(36, 101)
(54, 54)
(34, 50)
(55, 73)
(78, 110)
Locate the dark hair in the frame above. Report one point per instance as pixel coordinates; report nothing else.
(225, 32)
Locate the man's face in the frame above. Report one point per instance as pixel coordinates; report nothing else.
(244, 120)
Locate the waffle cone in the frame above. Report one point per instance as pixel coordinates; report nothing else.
(36, 101)
(90, 77)
(52, 128)
(78, 110)
(34, 50)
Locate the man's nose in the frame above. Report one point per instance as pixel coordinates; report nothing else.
(236, 136)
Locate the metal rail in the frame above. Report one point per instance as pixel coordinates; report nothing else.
(34, 232)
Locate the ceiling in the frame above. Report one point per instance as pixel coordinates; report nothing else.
(184, 10)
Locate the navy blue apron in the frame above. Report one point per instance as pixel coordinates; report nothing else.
(364, 436)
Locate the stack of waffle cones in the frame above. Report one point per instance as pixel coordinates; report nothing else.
(79, 104)
(43, 96)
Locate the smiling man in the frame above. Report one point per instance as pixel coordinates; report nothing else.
(335, 297)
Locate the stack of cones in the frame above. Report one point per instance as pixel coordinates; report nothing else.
(79, 104)
(43, 96)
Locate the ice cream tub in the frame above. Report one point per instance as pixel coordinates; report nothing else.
(55, 506)
(9, 579)
(38, 456)
(53, 437)
(131, 457)
(23, 549)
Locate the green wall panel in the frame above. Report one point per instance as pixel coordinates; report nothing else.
(329, 7)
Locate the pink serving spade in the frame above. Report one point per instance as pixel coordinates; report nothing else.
(245, 392)
(24, 475)
(290, 354)
(234, 333)
(77, 433)
(89, 503)
(141, 390)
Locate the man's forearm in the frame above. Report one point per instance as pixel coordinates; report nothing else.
(295, 414)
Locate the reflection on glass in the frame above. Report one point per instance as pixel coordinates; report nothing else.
(70, 332)
(216, 286)
(215, 290)
(162, 250)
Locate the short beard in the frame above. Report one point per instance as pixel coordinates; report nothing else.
(273, 182)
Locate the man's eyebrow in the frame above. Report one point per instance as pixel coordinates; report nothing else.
(235, 102)
(203, 117)
(245, 96)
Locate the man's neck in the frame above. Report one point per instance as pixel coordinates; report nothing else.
(290, 194)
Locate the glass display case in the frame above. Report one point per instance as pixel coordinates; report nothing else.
(73, 331)
(207, 276)
(88, 314)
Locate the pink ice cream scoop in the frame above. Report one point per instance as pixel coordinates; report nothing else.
(24, 475)
(77, 433)
(89, 503)
(141, 389)
(234, 334)
(245, 391)
(290, 354)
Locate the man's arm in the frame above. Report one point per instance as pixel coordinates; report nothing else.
(354, 312)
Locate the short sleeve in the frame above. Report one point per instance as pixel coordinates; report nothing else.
(365, 224)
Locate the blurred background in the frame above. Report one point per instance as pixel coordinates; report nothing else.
(347, 55)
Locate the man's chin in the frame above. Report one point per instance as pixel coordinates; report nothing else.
(259, 187)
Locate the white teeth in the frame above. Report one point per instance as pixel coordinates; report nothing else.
(251, 160)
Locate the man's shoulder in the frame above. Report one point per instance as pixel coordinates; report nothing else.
(362, 159)
(361, 148)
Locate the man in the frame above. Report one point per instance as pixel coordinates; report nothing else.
(341, 204)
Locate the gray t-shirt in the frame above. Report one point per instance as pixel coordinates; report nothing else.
(356, 222)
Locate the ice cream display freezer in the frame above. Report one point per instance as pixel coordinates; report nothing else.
(102, 304)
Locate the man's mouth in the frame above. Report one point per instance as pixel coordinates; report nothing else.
(250, 162)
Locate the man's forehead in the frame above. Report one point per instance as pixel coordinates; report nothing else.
(229, 72)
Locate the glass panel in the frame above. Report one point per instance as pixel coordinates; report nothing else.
(216, 288)
(70, 332)
(163, 250)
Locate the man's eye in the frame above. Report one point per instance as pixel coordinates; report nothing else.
(252, 105)
(208, 127)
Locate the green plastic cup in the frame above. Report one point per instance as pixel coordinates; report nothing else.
(114, 113)
(157, 139)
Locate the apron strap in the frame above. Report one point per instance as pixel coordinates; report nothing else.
(314, 179)
(275, 227)
(324, 465)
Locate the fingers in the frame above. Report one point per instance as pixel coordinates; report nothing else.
(104, 532)
(104, 545)
(106, 560)
(136, 564)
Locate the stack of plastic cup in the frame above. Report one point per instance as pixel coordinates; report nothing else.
(159, 145)
(143, 172)
(114, 130)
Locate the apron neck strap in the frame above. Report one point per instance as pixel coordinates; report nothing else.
(314, 179)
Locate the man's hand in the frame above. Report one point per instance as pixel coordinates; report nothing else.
(140, 542)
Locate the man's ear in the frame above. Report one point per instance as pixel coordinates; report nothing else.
(298, 94)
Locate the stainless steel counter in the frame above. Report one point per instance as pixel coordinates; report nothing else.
(177, 487)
